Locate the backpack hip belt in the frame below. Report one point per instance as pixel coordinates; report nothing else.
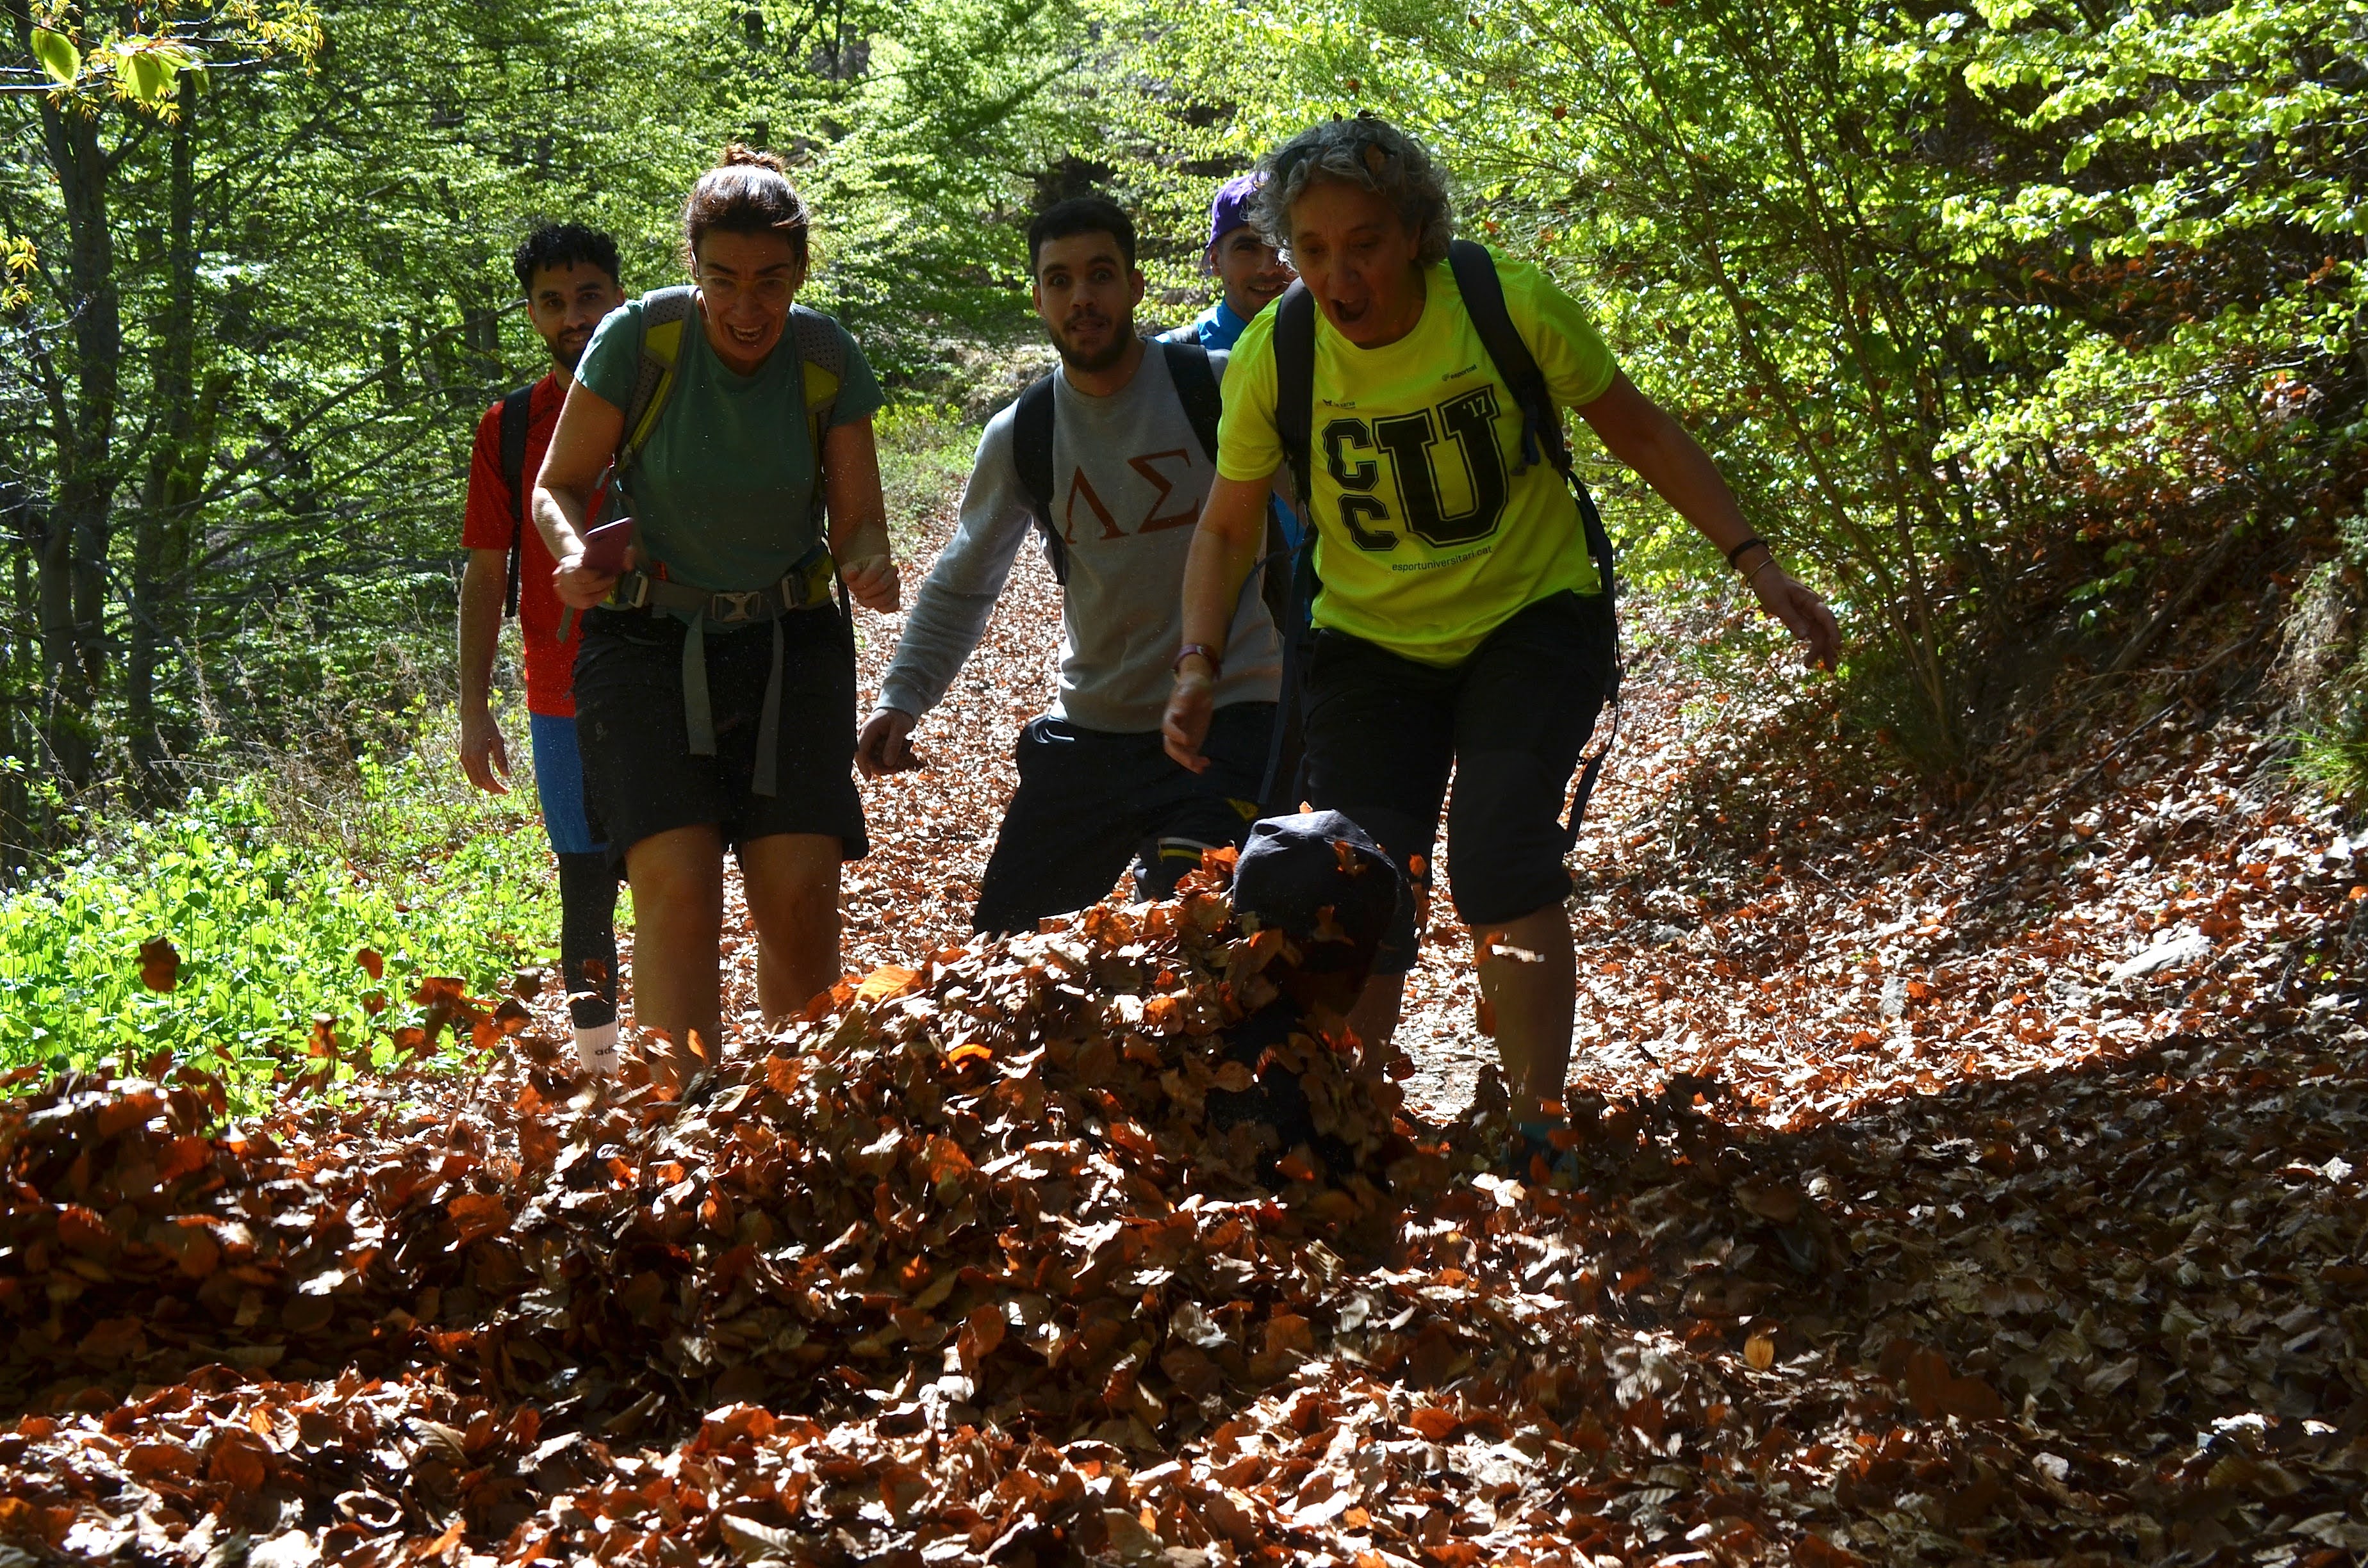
(806, 587)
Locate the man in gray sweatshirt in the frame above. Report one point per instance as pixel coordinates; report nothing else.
(1109, 459)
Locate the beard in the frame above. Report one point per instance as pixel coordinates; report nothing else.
(1100, 359)
(567, 349)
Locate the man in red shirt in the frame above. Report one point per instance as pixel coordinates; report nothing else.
(569, 273)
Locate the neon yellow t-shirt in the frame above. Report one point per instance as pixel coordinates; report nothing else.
(1426, 539)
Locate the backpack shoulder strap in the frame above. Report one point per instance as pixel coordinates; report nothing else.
(1031, 454)
(1294, 381)
(664, 313)
(1483, 300)
(1542, 431)
(1196, 388)
(821, 346)
(518, 414)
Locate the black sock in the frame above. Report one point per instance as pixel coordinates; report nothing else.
(587, 938)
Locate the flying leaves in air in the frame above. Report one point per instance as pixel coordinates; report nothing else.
(160, 964)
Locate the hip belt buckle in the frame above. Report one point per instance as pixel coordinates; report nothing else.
(733, 607)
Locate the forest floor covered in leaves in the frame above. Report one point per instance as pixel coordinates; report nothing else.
(1953, 1185)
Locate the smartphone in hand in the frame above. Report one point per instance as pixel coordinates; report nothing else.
(604, 547)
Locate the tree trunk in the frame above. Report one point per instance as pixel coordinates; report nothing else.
(176, 461)
(18, 832)
(73, 558)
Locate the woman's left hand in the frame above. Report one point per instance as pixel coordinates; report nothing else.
(872, 582)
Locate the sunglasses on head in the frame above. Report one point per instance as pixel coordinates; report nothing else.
(1374, 147)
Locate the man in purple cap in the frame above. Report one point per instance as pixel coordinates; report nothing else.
(1254, 275)
(1252, 271)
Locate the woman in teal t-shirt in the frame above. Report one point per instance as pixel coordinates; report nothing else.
(715, 685)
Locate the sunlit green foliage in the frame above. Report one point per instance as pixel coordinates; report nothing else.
(269, 889)
(263, 306)
(1943, 293)
(1990, 313)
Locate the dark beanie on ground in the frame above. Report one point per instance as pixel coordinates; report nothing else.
(1294, 869)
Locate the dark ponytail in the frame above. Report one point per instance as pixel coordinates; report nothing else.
(747, 193)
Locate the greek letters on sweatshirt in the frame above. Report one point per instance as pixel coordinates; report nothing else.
(1129, 477)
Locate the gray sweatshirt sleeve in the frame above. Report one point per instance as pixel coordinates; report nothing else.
(949, 613)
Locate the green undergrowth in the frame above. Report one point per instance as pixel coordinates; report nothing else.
(269, 888)
(924, 457)
(269, 885)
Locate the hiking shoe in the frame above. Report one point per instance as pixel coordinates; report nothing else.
(1533, 1144)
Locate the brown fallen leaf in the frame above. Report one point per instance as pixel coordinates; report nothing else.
(886, 981)
(160, 964)
(982, 1330)
(476, 1215)
(1434, 1422)
(1935, 1391)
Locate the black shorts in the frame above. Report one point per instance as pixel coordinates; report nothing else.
(1090, 800)
(639, 776)
(1511, 721)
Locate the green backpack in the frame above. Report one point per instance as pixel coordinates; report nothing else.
(812, 337)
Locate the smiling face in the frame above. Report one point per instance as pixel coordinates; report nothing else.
(1086, 294)
(565, 302)
(1359, 259)
(1253, 271)
(746, 283)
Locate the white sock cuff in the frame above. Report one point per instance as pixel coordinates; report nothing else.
(596, 1047)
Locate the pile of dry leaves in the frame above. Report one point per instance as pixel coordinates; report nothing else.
(958, 1272)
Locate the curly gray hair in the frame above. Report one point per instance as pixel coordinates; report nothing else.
(1366, 151)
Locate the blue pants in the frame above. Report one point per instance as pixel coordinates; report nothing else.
(587, 887)
(559, 780)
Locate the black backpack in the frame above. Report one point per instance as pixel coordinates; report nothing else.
(1032, 437)
(1196, 388)
(1542, 439)
(517, 414)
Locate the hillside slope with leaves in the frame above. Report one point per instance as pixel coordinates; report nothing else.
(1974, 1187)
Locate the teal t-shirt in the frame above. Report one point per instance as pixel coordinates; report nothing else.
(723, 490)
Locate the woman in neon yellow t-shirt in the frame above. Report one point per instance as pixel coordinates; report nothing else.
(1461, 626)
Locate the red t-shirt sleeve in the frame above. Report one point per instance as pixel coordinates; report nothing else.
(488, 522)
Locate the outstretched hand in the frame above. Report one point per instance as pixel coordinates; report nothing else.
(1797, 605)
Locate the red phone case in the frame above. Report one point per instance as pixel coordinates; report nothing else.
(604, 547)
